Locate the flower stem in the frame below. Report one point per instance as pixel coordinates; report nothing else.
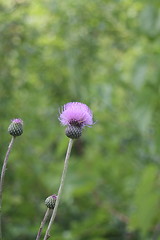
(43, 223)
(47, 235)
(2, 180)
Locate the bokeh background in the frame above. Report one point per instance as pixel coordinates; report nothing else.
(103, 53)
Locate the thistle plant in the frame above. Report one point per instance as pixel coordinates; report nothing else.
(50, 203)
(15, 129)
(75, 116)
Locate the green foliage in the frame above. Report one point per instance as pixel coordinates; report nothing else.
(105, 54)
(146, 200)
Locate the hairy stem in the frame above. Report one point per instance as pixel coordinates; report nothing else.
(47, 235)
(43, 223)
(2, 180)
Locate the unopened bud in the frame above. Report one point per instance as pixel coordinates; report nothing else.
(50, 201)
(16, 127)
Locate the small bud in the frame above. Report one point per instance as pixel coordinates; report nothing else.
(50, 201)
(73, 132)
(16, 127)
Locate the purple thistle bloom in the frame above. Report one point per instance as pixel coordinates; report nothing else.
(17, 120)
(76, 114)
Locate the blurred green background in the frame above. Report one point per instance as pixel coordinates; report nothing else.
(103, 53)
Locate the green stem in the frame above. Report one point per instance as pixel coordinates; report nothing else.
(43, 223)
(47, 235)
(2, 180)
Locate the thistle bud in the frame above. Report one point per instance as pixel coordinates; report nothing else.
(16, 127)
(73, 132)
(50, 201)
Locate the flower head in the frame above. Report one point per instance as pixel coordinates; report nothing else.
(50, 201)
(16, 127)
(76, 114)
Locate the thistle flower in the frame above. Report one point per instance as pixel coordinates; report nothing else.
(16, 127)
(75, 116)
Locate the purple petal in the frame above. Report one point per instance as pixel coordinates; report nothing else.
(17, 120)
(76, 112)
